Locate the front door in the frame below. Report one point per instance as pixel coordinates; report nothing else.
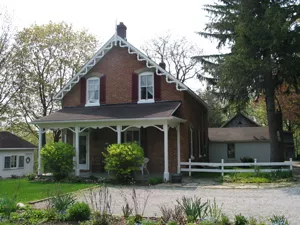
(84, 151)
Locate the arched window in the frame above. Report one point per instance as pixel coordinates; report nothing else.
(93, 91)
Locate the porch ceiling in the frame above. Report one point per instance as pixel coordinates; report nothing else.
(110, 113)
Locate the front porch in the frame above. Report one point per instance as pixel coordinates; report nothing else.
(160, 140)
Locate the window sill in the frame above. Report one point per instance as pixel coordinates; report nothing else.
(146, 101)
(15, 168)
(92, 104)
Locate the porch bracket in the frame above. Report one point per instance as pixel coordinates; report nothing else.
(166, 153)
(77, 172)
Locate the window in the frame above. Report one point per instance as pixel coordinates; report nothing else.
(7, 162)
(230, 151)
(146, 87)
(21, 161)
(93, 91)
(132, 135)
(10, 162)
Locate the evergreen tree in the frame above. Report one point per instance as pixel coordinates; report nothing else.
(264, 39)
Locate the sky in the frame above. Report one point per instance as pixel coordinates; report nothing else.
(144, 19)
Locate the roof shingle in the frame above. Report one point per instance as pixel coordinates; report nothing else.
(118, 111)
(239, 134)
(9, 140)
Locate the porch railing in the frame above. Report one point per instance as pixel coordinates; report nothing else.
(221, 167)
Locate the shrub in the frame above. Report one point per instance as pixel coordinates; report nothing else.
(247, 160)
(193, 208)
(123, 160)
(80, 211)
(155, 180)
(224, 220)
(240, 220)
(279, 220)
(60, 201)
(31, 176)
(37, 216)
(58, 157)
(7, 206)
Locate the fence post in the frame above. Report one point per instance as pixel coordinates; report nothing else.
(291, 164)
(255, 169)
(222, 167)
(190, 167)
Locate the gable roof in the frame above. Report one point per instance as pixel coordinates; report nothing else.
(239, 134)
(243, 115)
(116, 40)
(113, 112)
(13, 142)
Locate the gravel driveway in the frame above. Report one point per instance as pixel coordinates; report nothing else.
(249, 202)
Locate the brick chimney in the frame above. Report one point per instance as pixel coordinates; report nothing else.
(121, 30)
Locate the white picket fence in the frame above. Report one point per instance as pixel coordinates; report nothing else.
(220, 167)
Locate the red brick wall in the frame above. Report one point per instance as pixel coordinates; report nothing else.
(117, 65)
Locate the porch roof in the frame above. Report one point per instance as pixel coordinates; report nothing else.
(112, 112)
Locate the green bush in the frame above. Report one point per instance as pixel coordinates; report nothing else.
(7, 206)
(240, 220)
(224, 220)
(247, 160)
(31, 176)
(60, 201)
(58, 157)
(80, 211)
(193, 207)
(279, 220)
(155, 180)
(123, 160)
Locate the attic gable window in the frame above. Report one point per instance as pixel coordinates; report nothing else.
(146, 87)
(92, 91)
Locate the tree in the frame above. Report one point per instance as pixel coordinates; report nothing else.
(264, 39)
(176, 52)
(46, 56)
(216, 112)
(8, 80)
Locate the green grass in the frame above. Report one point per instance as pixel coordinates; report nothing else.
(28, 191)
(273, 177)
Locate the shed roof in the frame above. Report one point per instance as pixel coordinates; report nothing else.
(13, 142)
(239, 134)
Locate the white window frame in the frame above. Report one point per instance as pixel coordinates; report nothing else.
(17, 162)
(87, 91)
(130, 130)
(146, 100)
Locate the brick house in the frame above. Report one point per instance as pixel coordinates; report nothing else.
(121, 95)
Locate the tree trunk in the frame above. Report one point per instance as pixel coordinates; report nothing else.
(276, 155)
(56, 135)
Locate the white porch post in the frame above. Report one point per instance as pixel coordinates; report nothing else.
(166, 153)
(77, 172)
(119, 128)
(39, 153)
(178, 148)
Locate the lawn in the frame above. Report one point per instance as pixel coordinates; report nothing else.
(28, 191)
